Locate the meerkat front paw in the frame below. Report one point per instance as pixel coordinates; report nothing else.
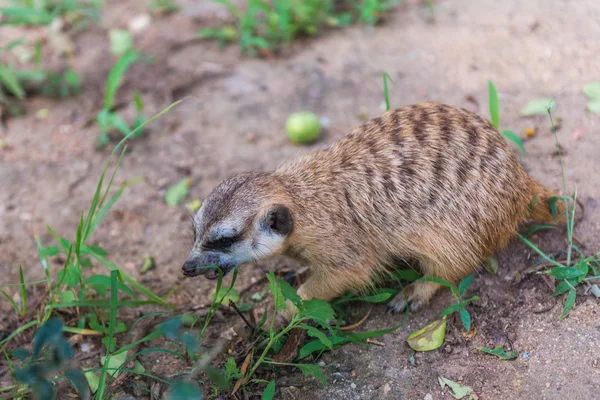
(415, 296)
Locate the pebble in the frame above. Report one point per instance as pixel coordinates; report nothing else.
(526, 355)
(386, 389)
(428, 396)
(353, 385)
(85, 347)
(321, 363)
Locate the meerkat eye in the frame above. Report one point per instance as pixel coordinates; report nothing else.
(221, 243)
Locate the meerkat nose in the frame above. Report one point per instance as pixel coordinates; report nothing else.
(191, 264)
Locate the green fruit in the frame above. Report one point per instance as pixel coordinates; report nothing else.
(303, 127)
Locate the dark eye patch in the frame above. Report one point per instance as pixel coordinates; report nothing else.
(222, 243)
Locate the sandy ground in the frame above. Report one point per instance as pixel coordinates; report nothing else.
(233, 121)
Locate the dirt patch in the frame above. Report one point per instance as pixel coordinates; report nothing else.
(233, 121)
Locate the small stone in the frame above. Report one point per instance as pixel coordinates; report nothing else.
(547, 385)
(386, 389)
(322, 363)
(353, 385)
(85, 347)
(428, 396)
(526, 355)
(251, 137)
(139, 23)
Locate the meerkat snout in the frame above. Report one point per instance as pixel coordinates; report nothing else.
(238, 223)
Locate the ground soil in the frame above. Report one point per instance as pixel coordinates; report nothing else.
(232, 121)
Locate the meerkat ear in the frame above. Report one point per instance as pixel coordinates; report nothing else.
(279, 219)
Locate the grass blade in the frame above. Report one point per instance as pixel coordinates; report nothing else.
(386, 93)
(510, 135)
(132, 282)
(494, 105)
(111, 332)
(540, 253)
(115, 76)
(569, 303)
(23, 292)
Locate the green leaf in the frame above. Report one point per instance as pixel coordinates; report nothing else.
(314, 332)
(565, 286)
(428, 338)
(592, 90)
(184, 390)
(465, 283)
(49, 251)
(177, 192)
(569, 303)
(231, 368)
(536, 228)
(72, 275)
(86, 262)
(103, 280)
(494, 105)
(67, 296)
(50, 333)
(510, 135)
(317, 345)
(317, 310)
(269, 393)
(228, 293)
(458, 391)
(407, 275)
(451, 309)
(314, 371)
(381, 295)
(491, 265)
(499, 352)
(386, 93)
(438, 281)
(216, 377)
(11, 82)
(115, 362)
(538, 107)
(275, 290)
(466, 319)
(120, 41)
(93, 380)
(116, 121)
(115, 76)
(594, 106)
(565, 272)
(80, 383)
(289, 292)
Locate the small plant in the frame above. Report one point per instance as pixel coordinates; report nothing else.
(162, 6)
(39, 365)
(577, 268)
(458, 293)
(17, 83)
(264, 27)
(108, 119)
(495, 115)
(44, 12)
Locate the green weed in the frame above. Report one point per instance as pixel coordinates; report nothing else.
(458, 293)
(495, 115)
(265, 26)
(108, 119)
(43, 12)
(572, 271)
(17, 83)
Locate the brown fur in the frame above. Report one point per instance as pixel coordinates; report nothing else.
(429, 182)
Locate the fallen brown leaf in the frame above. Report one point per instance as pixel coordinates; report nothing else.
(290, 349)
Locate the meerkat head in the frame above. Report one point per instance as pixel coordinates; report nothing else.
(244, 219)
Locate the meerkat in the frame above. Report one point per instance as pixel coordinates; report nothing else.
(430, 182)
